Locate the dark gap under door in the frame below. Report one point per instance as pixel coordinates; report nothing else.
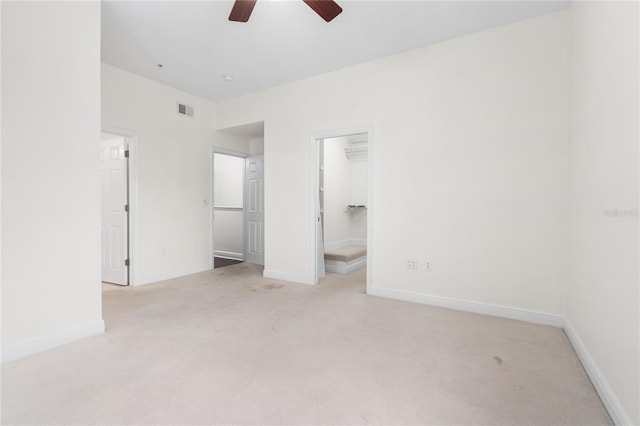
(219, 262)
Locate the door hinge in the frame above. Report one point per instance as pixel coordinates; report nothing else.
(126, 262)
(126, 207)
(126, 153)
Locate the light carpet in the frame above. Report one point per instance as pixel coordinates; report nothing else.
(230, 347)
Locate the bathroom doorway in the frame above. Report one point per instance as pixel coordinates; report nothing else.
(237, 208)
(228, 208)
(115, 207)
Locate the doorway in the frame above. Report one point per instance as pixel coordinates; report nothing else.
(115, 224)
(342, 202)
(237, 208)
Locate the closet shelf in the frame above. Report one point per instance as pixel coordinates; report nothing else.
(355, 208)
(356, 149)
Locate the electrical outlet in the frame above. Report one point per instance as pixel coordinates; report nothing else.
(412, 264)
(428, 266)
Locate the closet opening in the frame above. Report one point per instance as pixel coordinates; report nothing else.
(343, 208)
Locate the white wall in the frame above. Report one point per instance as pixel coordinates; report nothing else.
(235, 143)
(228, 180)
(228, 191)
(359, 192)
(345, 183)
(603, 290)
(50, 174)
(257, 146)
(174, 178)
(469, 163)
(337, 192)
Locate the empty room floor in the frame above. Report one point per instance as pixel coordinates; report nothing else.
(228, 346)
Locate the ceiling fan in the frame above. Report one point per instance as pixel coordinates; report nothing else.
(327, 9)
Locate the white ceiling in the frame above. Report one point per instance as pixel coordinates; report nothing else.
(284, 41)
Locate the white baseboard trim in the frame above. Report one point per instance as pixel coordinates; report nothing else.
(168, 276)
(608, 397)
(335, 245)
(339, 267)
(228, 254)
(467, 306)
(300, 279)
(51, 341)
(344, 243)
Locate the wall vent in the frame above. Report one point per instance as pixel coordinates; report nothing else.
(184, 109)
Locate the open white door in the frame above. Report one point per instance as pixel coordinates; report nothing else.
(114, 211)
(255, 210)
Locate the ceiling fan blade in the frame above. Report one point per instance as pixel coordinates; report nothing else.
(241, 10)
(327, 9)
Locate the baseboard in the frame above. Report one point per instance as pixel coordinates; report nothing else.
(171, 275)
(467, 306)
(344, 243)
(51, 341)
(335, 245)
(300, 279)
(228, 254)
(608, 397)
(344, 267)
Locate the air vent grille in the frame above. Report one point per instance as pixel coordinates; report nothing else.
(186, 110)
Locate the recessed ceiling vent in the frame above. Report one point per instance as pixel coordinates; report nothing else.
(186, 110)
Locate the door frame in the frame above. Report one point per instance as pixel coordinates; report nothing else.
(131, 142)
(243, 155)
(315, 188)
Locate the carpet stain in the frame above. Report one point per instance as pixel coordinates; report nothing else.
(498, 360)
(271, 286)
(266, 286)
